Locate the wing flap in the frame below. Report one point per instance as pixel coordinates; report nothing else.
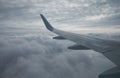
(111, 73)
(113, 53)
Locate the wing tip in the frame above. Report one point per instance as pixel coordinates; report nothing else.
(47, 24)
(41, 15)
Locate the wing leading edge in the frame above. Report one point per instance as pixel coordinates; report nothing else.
(110, 49)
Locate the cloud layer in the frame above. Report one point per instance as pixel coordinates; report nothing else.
(39, 57)
(76, 12)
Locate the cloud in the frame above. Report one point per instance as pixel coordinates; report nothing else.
(39, 57)
(96, 17)
(63, 11)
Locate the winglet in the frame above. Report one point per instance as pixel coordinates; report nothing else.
(47, 24)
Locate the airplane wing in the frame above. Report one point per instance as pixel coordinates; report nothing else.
(109, 48)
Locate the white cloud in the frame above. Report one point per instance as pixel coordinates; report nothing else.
(61, 11)
(41, 57)
(95, 17)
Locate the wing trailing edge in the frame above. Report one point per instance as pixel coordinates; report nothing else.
(111, 73)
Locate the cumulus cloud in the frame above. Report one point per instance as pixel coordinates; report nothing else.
(39, 57)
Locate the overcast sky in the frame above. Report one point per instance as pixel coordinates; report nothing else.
(27, 49)
(64, 14)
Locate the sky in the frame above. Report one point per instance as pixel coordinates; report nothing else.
(27, 49)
